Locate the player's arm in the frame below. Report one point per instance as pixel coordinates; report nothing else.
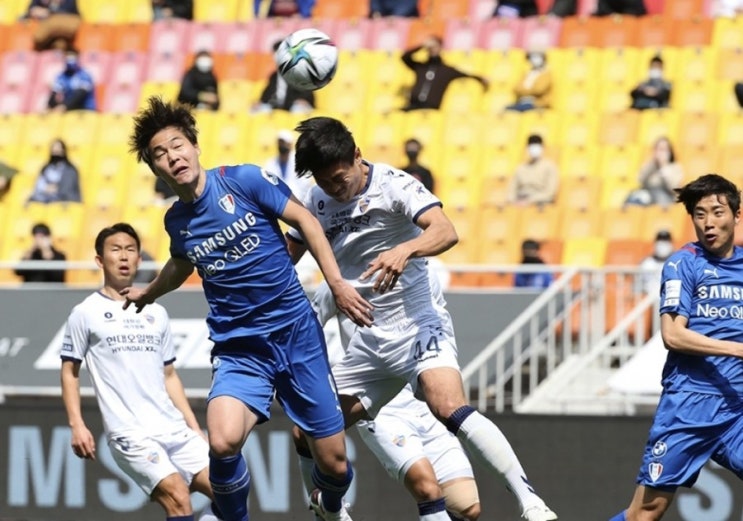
(83, 443)
(678, 337)
(438, 236)
(174, 387)
(172, 276)
(346, 297)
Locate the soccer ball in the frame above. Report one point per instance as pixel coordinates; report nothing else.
(307, 59)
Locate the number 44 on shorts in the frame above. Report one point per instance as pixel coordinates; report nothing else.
(429, 349)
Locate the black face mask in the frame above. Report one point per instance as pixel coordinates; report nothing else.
(284, 149)
(55, 158)
(412, 154)
(435, 60)
(531, 259)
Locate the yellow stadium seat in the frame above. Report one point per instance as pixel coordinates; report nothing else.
(30, 160)
(577, 66)
(726, 101)
(11, 127)
(80, 128)
(384, 137)
(699, 65)
(12, 10)
(658, 123)
(579, 222)
(118, 128)
(578, 161)
(619, 223)
(466, 224)
(731, 129)
(576, 98)
(540, 222)
(503, 68)
(459, 194)
(499, 252)
(494, 188)
(618, 65)
(615, 190)
(140, 11)
(728, 33)
(231, 129)
(148, 221)
(578, 130)
(730, 64)
(167, 89)
(579, 192)
(210, 11)
(471, 60)
(114, 12)
(619, 128)
(425, 125)
(612, 98)
(463, 96)
(66, 220)
(502, 131)
(542, 122)
(730, 162)
(237, 95)
(17, 229)
(499, 223)
(697, 161)
(585, 252)
(673, 218)
(41, 129)
(695, 96)
(697, 129)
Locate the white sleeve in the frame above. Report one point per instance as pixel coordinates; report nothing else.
(409, 196)
(167, 347)
(75, 340)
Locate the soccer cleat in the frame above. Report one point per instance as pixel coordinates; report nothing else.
(539, 513)
(316, 506)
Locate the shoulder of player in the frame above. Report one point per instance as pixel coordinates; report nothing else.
(384, 174)
(687, 254)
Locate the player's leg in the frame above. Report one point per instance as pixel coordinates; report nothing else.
(462, 498)
(172, 494)
(443, 391)
(240, 398)
(648, 504)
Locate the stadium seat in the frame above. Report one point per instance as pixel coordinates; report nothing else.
(673, 218)
(501, 34)
(389, 34)
(40, 129)
(692, 31)
(237, 38)
(540, 32)
(458, 192)
(499, 252)
(576, 98)
(579, 161)
(237, 95)
(139, 12)
(66, 220)
(209, 11)
(481, 10)
(697, 161)
(576, 66)
(503, 68)
(577, 222)
(627, 252)
(17, 237)
(543, 122)
(18, 36)
(617, 65)
(613, 98)
(127, 68)
(699, 64)
(147, 219)
(671, 62)
(425, 125)
(168, 90)
(461, 34)
(94, 11)
(697, 129)
(169, 36)
(80, 128)
(18, 69)
(577, 130)
(340, 9)
(587, 252)
(166, 67)
(619, 128)
(727, 103)
(540, 222)
(695, 96)
(730, 162)
(654, 31)
(231, 129)
(463, 96)
(447, 9)
(683, 9)
(463, 130)
(728, 33)
(616, 31)
(580, 32)
(10, 139)
(618, 223)
(11, 11)
(730, 64)
(98, 64)
(207, 36)
(15, 100)
(658, 123)
(271, 30)
(95, 37)
(579, 192)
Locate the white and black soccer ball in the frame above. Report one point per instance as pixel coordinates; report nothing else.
(307, 59)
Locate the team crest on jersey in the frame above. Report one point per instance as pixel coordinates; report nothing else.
(150, 319)
(399, 440)
(227, 203)
(268, 176)
(153, 457)
(364, 204)
(655, 470)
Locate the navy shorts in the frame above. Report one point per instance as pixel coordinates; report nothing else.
(688, 430)
(292, 363)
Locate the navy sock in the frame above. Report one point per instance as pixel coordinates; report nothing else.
(180, 518)
(332, 489)
(456, 419)
(431, 507)
(619, 517)
(216, 511)
(230, 482)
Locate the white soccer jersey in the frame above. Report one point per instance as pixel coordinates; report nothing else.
(382, 216)
(125, 353)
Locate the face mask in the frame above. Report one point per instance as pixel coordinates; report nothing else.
(56, 158)
(284, 148)
(662, 249)
(536, 60)
(204, 63)
(534, 150)
(655, 74)
(412, 154)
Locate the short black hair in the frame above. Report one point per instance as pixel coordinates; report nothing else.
(534, 139)
(41, 229)
(656, 59)
(157, 116)
(709, 184)
(107, 232)
(322, 142)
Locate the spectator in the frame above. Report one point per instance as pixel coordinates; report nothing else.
(432, 76)
(165, 9)
(279, 95)
(406, 8)
(727, 8)
(413, 149)
(738, 89)
(73, 88)
(629, 7)
(536, 180)
(530, 255)
(58, 180)
(58, 21)
(535, 88)
(42, 250)
(516, 8)
(199, 87)
(655, 91)
(6, 178)
(652, 265)
(282, 164)
(271, 8)
(659, 177)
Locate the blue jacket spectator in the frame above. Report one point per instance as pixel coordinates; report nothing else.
(530, 255)
(407, 8)
(73, 88)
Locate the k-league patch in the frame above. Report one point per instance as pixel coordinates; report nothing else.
(154, 457)
(673, 292)
(227, 203)
(655, 469)
(399, 440)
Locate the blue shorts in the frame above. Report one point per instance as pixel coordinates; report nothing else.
(293, 363)
(688, 430)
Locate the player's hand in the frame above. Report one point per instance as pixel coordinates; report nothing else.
(390, 265)
(353, 305)
(136, 296)
(83, 444)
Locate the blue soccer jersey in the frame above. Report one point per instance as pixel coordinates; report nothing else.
(708, 291)
(232, 236)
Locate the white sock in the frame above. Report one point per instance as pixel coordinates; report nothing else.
(485, 441)
(305, 469)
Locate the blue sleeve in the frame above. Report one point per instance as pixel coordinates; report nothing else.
(176, 244)
(519, 280)
(677, 284)
(267, 190)
(305, 7)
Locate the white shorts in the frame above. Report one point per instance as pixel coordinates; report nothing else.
(150, 459)
(382, 358)
(406, 431)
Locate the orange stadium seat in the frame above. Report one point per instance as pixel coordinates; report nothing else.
(340, 9)
(730, 64)
(95, 37)
(621, 223)
(501, 34)
(617, 31)
(18, 37)
(692, 31)
(541, 32)
(683, 9)
(627, 252)
(447, 9)
(654, 31)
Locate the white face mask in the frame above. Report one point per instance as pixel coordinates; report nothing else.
(534, 150)
(662, 249)
(536, 60)
(204, 63)
(655, 74)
